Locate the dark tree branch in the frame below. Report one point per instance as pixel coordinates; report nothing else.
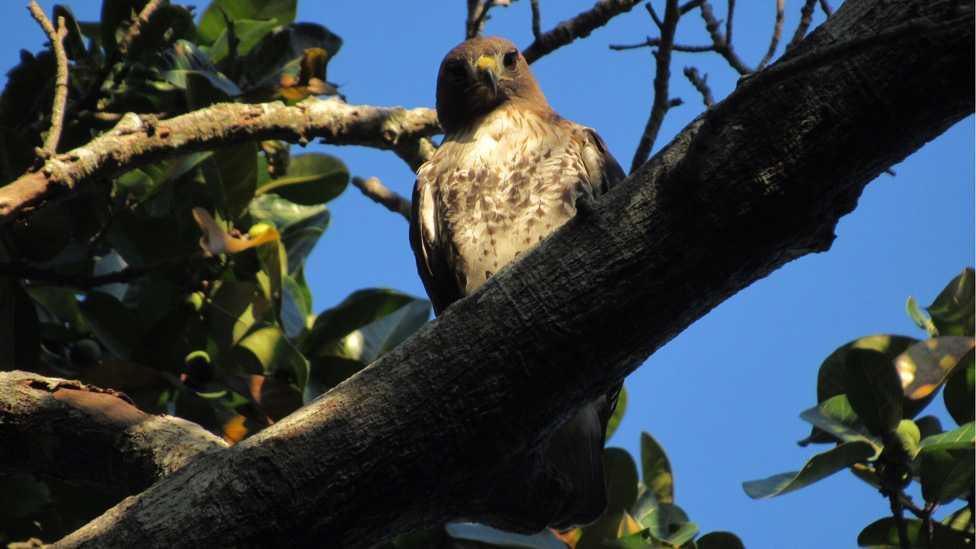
(806, 17)
(536, 20)
(777, 34)
(56, 37)
(656, 42)
(662, 76)
(434, 429)
(700, 82)
(729, 18)
(139, 140)
(375, 190)
(825, 6)
(578, 27)
(112, 444)
(721, 43)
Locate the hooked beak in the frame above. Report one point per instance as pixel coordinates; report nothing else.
(487, 69)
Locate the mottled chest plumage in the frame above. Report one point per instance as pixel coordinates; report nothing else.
(499, 190)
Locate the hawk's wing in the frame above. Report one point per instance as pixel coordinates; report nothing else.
(429, 248)
(602, 168)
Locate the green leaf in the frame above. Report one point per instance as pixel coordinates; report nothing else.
(656, 470)
(959, 519)
(649, 539)
(115, 326)
(618, 413)
(248, 34)
(296, 305)
(361, 308)
(276, 355)
(621, 476)
(281, 53)
(883, 534)
(817, 468)
(300, 226)
(946, 474)
(311, 179)
(959, 393)
(924, 367)
(836, 417)
(954, 308)
(961, 438)
(920, 318)
(494, 537)
(874, 390)
(668, 523)
(214, 20)
(233, 310)
(832, 377)
(719, 540)
(192, 71)
(74, 42)
(909, 436)
(231, 175)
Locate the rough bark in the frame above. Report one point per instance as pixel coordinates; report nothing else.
(71, 431)
(418, 436)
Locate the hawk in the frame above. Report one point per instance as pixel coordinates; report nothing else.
(508, 174)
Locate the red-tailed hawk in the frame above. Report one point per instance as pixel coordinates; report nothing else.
(507, 175)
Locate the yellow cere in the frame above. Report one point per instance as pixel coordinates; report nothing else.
(486, 62)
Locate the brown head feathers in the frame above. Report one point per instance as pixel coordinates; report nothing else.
(481, 74)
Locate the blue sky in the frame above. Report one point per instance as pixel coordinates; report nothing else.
(723, 396)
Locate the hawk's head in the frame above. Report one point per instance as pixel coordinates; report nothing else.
(480, 74)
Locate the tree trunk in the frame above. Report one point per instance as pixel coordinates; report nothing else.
(422, 435)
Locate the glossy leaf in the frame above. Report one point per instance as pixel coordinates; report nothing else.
(618, 413)
(233, 310)
(953, 310)
(817, 468)
(883, 534)
(300, 226)
(669, 524)
(231, 174)
(296, 305)
(621, 476)
(213, 22)
(311, 179)
(874, 390)
(191, 70)
(832, 377)
(276, 355)
(656, 470)
(494, 537)
(946, 474)
(961, 438)
(836, 417)
(959, 391)
(247, 33)
(924, 367)
(719, 540)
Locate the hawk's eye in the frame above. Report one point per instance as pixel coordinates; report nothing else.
(510, 59)
(455, 70)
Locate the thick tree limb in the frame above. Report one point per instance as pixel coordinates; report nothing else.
(419, 436)
(139, 140)
(110, 442)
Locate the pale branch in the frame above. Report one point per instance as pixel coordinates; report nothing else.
(139, 140)
(700, 82)
(777, 34)
(56, 37)
(375, 190)
(442, 426)
(135, 29)
(579, 26)
(721, 43)
(536, 20)
(111, 443)
(806, 17)
(662, 76)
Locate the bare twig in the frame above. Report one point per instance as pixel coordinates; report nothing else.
(56, 36)
(700, 82)
(806, 17)
(536, 20)
(478, 15)
(690, 5)
(729, 17)
(825, 6)
(135, 29)
(654, 17)
(662, 75)
(722, 45)
(577, 27)
(899, 515)
(655, 42)
(777, 34)
(375, 190)
(136, 141)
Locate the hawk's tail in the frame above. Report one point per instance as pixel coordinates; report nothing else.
(575, 451)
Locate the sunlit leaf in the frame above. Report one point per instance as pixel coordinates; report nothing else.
(276, 355)
(248, 34)
(926, 365)
(836, 417)
(832, 376)
(953, 310)
(961, 438)
(213, 22)
(216, 240)
(618, 413)
(817, 468)
(656, 470)
(300, 226)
